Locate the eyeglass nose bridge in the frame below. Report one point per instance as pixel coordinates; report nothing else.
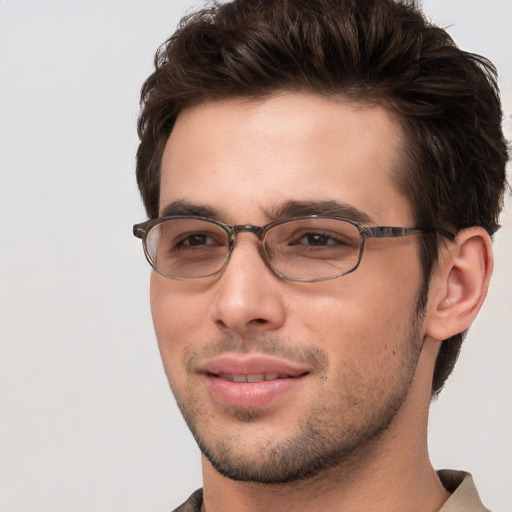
(259, 231)
(247, 228)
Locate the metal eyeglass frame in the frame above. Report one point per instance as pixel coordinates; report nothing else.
(142, 230)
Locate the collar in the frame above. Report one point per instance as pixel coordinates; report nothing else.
(464, 496)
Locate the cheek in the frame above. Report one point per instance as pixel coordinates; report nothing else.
(177, 318)
(359, 317)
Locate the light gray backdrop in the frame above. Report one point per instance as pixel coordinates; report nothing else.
(86, 419)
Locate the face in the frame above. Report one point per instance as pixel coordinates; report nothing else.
(279, 380)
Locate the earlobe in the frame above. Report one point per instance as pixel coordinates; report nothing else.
(459, 285)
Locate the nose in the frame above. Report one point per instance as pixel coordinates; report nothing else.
(249, 297)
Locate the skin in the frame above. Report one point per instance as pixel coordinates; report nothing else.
(359, 416)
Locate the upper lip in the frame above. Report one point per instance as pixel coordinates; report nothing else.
(252, 365)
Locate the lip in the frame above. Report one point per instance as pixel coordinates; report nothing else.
(251, 382)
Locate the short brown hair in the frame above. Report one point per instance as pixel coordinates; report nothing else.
(373, 51)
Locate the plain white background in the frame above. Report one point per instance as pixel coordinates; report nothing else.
(87, 422)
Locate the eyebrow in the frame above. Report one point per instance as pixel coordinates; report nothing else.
(286, 210)
(178, 208)
(330, 208)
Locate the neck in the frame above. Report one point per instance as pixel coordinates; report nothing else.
(385, 485)
(390, 473)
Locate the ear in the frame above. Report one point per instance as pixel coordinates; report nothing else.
(459, 284)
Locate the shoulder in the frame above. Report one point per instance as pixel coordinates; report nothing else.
(193, 504)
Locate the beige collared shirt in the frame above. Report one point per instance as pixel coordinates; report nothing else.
(464, 496)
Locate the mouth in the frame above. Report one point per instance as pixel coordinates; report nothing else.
(257, 377)
(253, 382)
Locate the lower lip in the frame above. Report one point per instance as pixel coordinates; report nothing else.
(250, 395)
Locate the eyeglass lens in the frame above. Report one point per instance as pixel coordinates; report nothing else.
(306, 249)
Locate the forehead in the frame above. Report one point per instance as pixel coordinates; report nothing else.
(245, 157)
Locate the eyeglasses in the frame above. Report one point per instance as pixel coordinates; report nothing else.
(308, 249)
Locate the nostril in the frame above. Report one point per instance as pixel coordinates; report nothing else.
(221, 324)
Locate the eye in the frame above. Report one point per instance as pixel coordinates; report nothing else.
(197, 240)
(317, 240)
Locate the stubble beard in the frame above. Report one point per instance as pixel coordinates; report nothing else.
(326, 436)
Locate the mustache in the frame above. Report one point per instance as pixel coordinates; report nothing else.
(310, 355)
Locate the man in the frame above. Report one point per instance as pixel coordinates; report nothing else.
(322, 180)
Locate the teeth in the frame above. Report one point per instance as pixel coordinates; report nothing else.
(257, 377)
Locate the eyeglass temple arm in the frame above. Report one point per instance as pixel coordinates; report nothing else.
(390, 232)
